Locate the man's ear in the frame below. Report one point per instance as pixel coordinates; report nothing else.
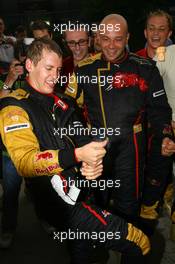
(29, 65)
(128, 35)
(170, 33)
(145, 33)
(89, 41)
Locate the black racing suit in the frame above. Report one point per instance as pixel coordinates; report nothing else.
(158, 175)
(119, 96)
(30, 125)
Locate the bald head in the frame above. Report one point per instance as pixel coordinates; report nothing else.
(115, 22)
(113, 37)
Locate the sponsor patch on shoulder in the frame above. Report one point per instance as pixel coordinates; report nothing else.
(16, 127)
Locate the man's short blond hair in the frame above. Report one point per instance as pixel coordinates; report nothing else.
(162, 13)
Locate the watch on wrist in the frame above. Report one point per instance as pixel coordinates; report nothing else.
(5, 87)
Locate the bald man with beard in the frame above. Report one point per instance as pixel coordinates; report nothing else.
(127, 88)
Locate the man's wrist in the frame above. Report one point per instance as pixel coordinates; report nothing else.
(67, 158)
(77, 154)
(5, 87)
(9, 82)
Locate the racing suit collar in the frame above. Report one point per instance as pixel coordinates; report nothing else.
(48, 98)
(145, 53)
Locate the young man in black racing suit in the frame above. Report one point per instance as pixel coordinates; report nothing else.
(34, 126)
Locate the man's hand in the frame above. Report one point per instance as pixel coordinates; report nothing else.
(173, 126)
(91, 153)
(14, 72)
(168, 147)
(91, 172)
(3, 93)
(10, 41)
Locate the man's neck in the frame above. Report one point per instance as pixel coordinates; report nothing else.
(119, 59)
(151, 52)
(76, 62)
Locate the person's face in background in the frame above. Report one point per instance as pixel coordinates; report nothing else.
(157, 31)
(21, 35)
(38, 33)
(78, 42)
(95, 42)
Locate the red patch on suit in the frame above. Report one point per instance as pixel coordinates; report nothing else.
(61, 104)
(123, 80)
(45, 156)
(167, 130)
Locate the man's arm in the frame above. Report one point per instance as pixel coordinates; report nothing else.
(168, 147)
(160, 114)
(166, 68)
(158, 109)
(24, 149)
(15, 71)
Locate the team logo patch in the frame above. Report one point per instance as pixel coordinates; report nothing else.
(41, 171)
(16, 127)
(44, 156)
(124, 79)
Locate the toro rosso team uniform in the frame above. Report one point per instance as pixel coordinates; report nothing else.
(30, 124)
(117, 96)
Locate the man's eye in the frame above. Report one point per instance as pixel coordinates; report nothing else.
(82, 41)
(71, 42)
(105, 39)
(162, 29)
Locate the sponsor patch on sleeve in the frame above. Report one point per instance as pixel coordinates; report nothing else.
(159, 93)
(14, 127)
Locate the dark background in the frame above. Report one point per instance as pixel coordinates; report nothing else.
(57, 11)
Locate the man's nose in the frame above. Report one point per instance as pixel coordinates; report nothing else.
(77, 46)
(112, 44)
(156, 31)
(55, 74)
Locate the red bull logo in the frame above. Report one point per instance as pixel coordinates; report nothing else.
(45, 156)
(123, 80)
